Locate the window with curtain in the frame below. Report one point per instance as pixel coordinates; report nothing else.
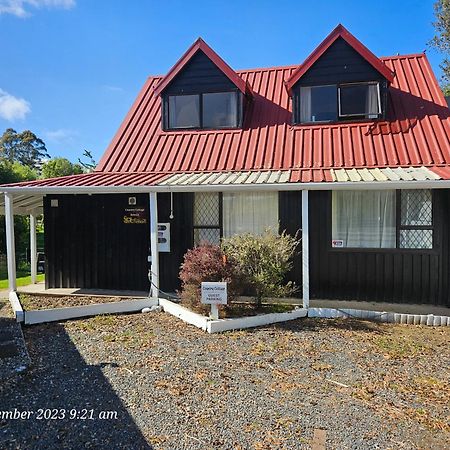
(363, 219)
(368, 219)
(318, 103)
(249, 212)
(204, 110)
(359, 99)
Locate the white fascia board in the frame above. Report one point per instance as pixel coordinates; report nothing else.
(325, 186)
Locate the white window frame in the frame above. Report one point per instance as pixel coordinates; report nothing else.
(358, 84)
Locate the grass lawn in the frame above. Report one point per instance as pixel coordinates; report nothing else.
(22, 280)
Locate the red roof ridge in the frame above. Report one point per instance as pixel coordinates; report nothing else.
(406, 55)
(260, 69)
(339, 32)
(201, 45)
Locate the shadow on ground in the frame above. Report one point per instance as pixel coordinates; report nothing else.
(61, 383)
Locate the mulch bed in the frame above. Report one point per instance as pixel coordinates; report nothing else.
(35, 302)
(367, 385)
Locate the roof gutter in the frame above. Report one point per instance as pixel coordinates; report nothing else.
(323, 186)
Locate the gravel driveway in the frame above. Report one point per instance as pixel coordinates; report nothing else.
(174, 387)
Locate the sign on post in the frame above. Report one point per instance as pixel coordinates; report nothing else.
(214, 293)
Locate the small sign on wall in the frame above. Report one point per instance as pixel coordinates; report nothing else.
(134, 215)
(214, 293)
(164, 237)
(337, 243)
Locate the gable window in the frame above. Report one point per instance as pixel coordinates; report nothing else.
(184, 111)
(372, 219)
(206, 110)
(359, 99)
(334, 102)
(318, 103)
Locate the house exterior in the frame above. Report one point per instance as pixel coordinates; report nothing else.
(349, 149)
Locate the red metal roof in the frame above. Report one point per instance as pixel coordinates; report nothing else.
(416, 134)
(201, 45)
(339, 32)
(96, 179)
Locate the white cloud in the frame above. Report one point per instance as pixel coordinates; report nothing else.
(110, 87)
(61, 135)
(20, 8)
(12, 108)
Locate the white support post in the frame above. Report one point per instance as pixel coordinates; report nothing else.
(10, 245)
(33, 248)
(154, 245)
(305, 248)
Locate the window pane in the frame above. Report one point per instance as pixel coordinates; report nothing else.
(249, 212)
(363, 219)
(210, 235)
(416, 238)
(220, 110)
(206, 209)
(318, 103)
(416, 207)
(184, 111)
(359, 100)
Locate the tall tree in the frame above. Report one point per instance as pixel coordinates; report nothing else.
(60, 167)
(25, 148)
(90, 164)
(441, 40)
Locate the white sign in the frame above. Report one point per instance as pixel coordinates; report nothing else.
(164, 237)
(214, 293)
(337, 243)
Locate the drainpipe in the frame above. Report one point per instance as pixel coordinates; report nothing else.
(10, 246)
(154, 245)
(305, 248)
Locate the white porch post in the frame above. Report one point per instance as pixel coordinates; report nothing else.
(305, 248)
(33, 247)
(10, 246)
(154, 244)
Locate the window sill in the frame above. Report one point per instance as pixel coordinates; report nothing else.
(338, 122)
(199, 130)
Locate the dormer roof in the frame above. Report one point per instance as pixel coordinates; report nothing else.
(201, 45)
(339, 32)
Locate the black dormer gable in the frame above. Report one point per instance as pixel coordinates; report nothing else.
(200, 74)
(340, 63)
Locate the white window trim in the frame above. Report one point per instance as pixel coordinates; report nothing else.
(362, 114)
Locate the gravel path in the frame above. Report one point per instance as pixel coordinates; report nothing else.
(369, 386)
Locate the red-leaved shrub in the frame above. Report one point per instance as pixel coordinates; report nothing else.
(206, 262)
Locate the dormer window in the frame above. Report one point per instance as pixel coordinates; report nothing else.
(359, 100)
(211, 110)
(335, 102)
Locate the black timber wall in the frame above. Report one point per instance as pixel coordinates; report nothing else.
(87, 245)
(391, 275)
(340, 64)
(199, 75)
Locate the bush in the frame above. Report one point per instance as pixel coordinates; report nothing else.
(264, 261)
(206, 262)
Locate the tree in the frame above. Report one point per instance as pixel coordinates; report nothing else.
(441, 41)
(90, 164)
(25, 148)
(13, 172)
(60, 167)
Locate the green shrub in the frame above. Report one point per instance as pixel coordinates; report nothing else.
(264, 261)
(206, 262)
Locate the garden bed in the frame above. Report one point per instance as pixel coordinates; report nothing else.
(50, 308)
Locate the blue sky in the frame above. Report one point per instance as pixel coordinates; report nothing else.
(72, 68)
